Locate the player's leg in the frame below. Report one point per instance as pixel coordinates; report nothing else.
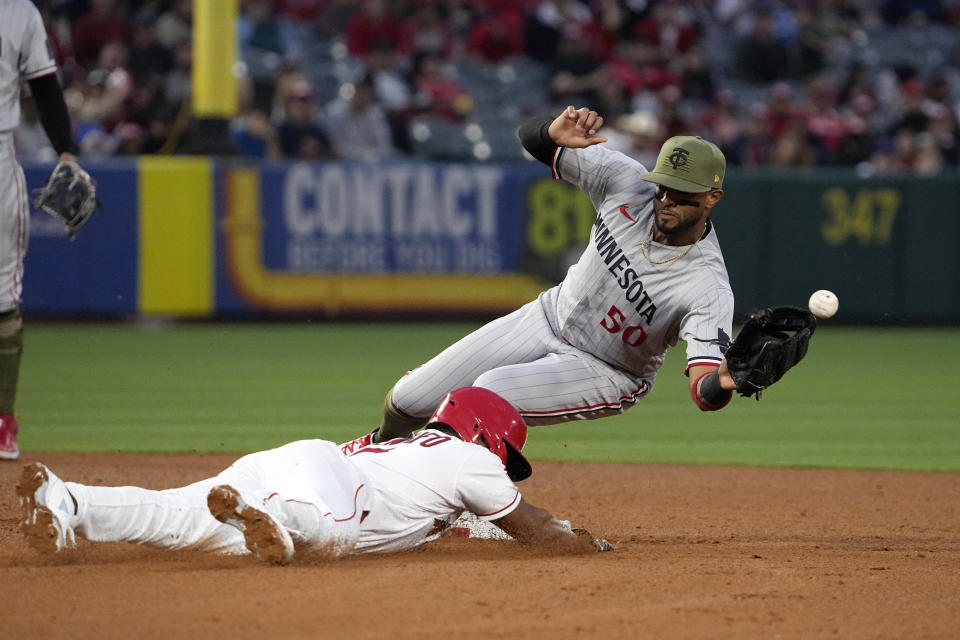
(11, 346)
(14, 230)
(521, 336)
(171, 518)
(563, 386)
(53, 510)
(309, 488)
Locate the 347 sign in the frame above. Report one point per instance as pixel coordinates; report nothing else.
(867, 216)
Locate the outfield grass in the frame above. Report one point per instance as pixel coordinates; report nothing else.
(863, 398)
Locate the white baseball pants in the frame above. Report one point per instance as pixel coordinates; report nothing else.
(520, 357)
(14, 224)
(315, 493)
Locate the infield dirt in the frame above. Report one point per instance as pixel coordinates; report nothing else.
(702, 552)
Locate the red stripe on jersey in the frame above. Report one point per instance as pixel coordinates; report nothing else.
(351, 517)
(642, 389)
(370, 448)
(553, 164)
(700, 363)
(355, 494)
(512, 502)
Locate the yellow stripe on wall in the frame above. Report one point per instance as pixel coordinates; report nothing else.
(176, 236)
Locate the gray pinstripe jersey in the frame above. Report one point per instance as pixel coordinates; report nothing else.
(23, 54)
(616, 304)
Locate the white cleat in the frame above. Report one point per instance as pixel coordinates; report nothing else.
(45, 505)
(265, 537)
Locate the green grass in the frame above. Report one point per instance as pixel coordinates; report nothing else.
(863, 398)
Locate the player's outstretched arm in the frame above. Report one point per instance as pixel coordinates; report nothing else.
(538, 527)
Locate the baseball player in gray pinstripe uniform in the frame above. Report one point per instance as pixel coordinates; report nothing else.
(23, 55)
(651, 275)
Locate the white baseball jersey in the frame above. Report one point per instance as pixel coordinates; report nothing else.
(418, 486)
(592, 345)
(23, 55)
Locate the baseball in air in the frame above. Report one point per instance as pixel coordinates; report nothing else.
(823, 303)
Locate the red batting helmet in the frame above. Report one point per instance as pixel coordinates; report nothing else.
(475, 412)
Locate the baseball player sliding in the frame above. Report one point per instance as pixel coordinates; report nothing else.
(307, 496)
(68, 195)
(652, 275)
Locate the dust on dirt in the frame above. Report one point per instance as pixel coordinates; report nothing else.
(700, 552)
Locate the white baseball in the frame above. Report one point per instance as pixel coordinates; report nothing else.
(823, 303)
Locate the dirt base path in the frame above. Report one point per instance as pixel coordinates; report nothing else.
(702, 552)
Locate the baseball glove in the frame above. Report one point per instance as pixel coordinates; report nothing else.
(770, 343)
(69, 194)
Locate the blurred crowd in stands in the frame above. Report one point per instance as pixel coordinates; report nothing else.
(786, 83)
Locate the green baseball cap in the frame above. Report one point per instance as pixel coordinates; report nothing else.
(688, 163)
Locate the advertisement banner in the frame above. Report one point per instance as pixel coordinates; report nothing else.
(200, 237)
(353, 238)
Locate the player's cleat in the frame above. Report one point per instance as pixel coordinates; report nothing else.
(349, 447)
(265, 537)
(46, 507)
(8, 438)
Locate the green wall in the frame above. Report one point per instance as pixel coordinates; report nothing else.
(887, 247)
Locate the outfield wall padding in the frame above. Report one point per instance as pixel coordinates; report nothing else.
(198, 237)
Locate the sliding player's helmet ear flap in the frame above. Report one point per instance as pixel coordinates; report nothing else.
(482, 417)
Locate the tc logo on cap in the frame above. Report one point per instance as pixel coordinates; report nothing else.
(679, 157)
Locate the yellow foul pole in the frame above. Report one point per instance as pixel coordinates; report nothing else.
(214, 56)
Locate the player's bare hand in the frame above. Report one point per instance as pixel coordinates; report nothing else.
(595, 544)
(726, 380)
(576, 128)
(602, 545)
